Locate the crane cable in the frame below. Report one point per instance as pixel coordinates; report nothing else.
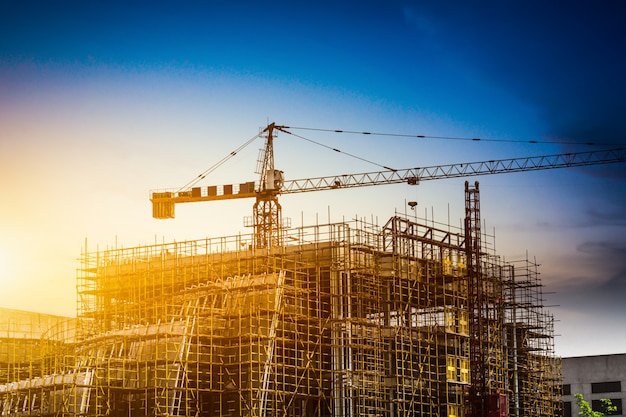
(401, 135)
(218, 164)
(354, 132)
(334, 149)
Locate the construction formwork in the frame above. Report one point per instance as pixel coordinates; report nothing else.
(344, 319)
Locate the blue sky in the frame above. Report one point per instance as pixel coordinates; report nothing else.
(102, 101)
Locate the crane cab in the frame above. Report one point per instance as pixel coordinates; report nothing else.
(274, 180)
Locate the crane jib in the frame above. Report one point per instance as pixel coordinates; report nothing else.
(414, 175)
(164, 200)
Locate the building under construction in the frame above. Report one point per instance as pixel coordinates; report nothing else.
(347, 319)
(344, 319)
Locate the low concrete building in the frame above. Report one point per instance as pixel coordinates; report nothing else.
(596, 377)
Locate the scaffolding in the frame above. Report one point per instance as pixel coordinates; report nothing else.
(344, 319)
(27, 345)
(534, 373)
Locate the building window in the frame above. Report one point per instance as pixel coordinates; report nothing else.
(567, 409)
(567, 389)
(600, 387)
(597, 405)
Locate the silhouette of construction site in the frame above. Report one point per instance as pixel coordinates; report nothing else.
(340, 319)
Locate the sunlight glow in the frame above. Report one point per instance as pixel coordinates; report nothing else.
(5, 267)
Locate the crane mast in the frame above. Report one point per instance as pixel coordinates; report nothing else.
(267, 212)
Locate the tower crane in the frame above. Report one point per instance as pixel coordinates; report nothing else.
(266, 220)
